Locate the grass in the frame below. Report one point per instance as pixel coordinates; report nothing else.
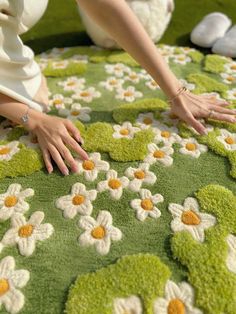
(61, 24)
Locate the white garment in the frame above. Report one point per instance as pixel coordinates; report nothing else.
(20, 75)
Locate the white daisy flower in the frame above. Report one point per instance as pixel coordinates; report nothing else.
(228, 78)
(146, 120)
(79, 201)
(189, 218)
(181, 59)
(186, 50)
(231, 258)
(129, 94)
(92, 166)
(112, 83)
(72, 83)
(178, 299)
(59, 51)
(146, 205)
(114, 184)
(126, 130)
(231, 94)
(228, 139)
(29, 140)
(59, 101)
(128, 305)
(26, 233)
(13, 201)
(87, 94)
(214, 96)
(230, 67)
(80, 58)
(133, 76)
(169, 118)
(139, 176)
(7, 151)
(117, 69)
(4, 131)
(11, 279)
(76, 112)
(145, 75)
(61, 64)
(161, 154)
(188, 85)
(165, 134)
(152, 84)
(99, 232)
(190, 146)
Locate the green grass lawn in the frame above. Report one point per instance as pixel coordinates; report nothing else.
(61, 24)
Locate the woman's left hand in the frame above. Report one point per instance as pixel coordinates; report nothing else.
(189, 107)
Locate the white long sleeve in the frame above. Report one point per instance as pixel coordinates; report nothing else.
(20, 75)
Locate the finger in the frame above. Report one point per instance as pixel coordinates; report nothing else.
(223, 110)
(58, 160)
(76, 147)
(197, 125)
(66, 154)
(73, 130)
(223, 117)
(46, 156)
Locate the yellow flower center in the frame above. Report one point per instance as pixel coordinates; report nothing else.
(133, 76)
(124, 132)
(4, 150)
(60, 64)
(78, 199)
(98, 232)
(229, 140)
(159, 154)
(10, 201)
(234, 94)
(189, 217)
(84, 94)
(71, 83)
(233, 67)
(57, 102)
(128, 93)
(191, 146)
(147, 120)
(147, 204)
(165, 134)
(114, 184)
(139, 174)
(181, 58)
(25, 231)
(117, 67)
(4, 286)
(113, 82)
(75, 113)
(176, 306)
(88, 165)
(230, 78)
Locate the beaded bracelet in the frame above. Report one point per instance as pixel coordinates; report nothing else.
(179, 92)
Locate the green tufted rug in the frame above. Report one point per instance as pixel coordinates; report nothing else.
(148, 224)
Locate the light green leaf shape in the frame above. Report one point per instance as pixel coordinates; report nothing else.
(214, 64)
(214, 284)
(143, 275)
(206, 84)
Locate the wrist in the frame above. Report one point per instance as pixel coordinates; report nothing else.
(34, 117)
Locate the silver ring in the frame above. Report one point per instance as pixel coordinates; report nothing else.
(211, 112)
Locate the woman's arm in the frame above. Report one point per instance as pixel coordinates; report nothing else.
(119, 21)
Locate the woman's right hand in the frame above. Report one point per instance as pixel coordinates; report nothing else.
(53, 134)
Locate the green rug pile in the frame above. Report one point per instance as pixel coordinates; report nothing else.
(148, 224)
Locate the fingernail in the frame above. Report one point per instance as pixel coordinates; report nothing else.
(66, 172)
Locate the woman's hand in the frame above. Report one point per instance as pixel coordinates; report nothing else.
(190, 107)
(53, 133)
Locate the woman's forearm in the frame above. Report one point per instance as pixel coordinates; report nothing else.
(118, 20)
(13, 110)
